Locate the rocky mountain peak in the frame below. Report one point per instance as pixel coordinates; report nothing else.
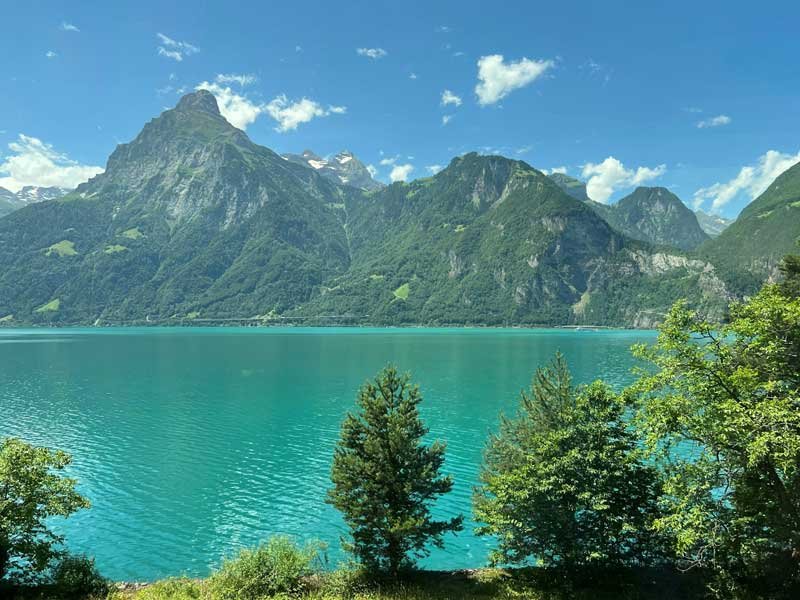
(201, 100)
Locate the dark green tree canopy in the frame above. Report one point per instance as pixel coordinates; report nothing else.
(562, 482)
(32, 490)
(386, 479)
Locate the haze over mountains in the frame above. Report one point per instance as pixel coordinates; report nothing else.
(191, 220)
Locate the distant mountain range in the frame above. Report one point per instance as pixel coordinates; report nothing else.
(650, 214)
(343, 168)
(9, 201)
(193, 222)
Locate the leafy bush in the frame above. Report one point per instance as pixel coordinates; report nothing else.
(78, 577)
(277, 567)
(172, 589)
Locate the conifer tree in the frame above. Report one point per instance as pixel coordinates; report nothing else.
(386, 479)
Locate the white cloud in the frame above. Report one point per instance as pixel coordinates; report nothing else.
(69, 27)
(717, 121)
(400, 172)
(604, 178)
(412, 76)
(446, 119)
(291, 114)
(242, 80)
(444, 29)
(35, 162)
(385, 162)
(373, 172)
(752, 180)
(174, 49)
(497, 78)
(374, 53)
(237, 109)
(449, 97)
(50, 54)
(562, 170)
(434, 169)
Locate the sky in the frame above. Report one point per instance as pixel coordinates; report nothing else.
(699, 97)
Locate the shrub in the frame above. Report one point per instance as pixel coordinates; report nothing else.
(172, 589)
(78, 577)
(277, 567)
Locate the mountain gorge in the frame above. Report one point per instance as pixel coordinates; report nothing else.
(193, 221)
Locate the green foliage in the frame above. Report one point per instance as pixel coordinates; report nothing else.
(277, 567)
(385, 479)
(52, 306)
(401, 293)
(172, 589)
(114, 248)
(32, 490)
(563, 483)
(720, 408)
(77, 577)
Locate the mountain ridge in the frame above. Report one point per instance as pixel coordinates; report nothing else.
(192, 220)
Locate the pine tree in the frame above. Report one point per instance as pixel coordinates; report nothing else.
(385, 479)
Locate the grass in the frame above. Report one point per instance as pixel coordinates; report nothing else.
(62, 248)
(473, 584)
(132, 234)
(401, 293)
(52, 306)
(7, 319)
(460, 228)
(114, 248)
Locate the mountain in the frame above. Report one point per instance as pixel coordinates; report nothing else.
(750, 250)
(491, 240)
(655, 215)
(192, 220)
(190, 217)
(9, 201)
(713, 225)
(344, 169)
(574, 187)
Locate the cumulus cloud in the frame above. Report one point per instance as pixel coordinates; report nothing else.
(434, 169)
(237, 109)
(374, 53)
(497, 78)
(34, 162)
(50, 54)
(717, 121)
(604, 178)
(449, 97)
(291, 114)
(446, 119)
(751, 181)
(229, 78)
(373, 172)
(385, 162)
(174, 49)
(562, 170)
(240, 111)
(69, 27)
(400, 172)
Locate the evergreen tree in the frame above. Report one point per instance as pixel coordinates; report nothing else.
(563, 483)
(385, 479)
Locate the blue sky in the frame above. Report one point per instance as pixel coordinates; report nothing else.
(615, 92)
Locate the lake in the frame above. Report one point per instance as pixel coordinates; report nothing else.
(194, 442)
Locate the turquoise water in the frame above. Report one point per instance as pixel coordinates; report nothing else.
(191, 443)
